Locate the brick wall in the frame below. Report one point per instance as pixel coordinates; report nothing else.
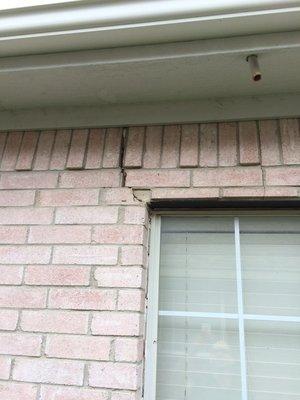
(74, 232)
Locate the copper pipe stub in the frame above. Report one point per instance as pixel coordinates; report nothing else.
(254, 67)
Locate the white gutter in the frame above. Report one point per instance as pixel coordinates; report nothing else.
(90, 24)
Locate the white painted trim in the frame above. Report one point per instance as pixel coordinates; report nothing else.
(196, 314)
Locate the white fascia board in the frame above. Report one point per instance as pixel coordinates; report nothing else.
(89, 24)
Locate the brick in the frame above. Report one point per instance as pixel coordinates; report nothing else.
(68, 197)
(25, 254)
(72, 393)
(208, 145)
(27, 150)
(153, 146)
(87, 215)
(122, 395)
(3, 136)
(77, 149)
(11, 274)
(11, 198)
(231, 176)
(26, 216)
(189, 147)
(20, 297)
(12, 234)
(95, 149)
(78, 347)
(115, 234)
(117, 196)
(134, 147)
(82, 299)
(131, 300)
(5, 364)
(11, 151)
(90, 179)
(129, 349)
(248, 140)
(54, 321)
(269, 143)
(188, 193)
(59, 234)
(90, 255)
(111, 156)
(8, 320)
(120, 277)
(44, 148)
(49, 371)
(227, 144)
(20, 344)
(282, 176)
(290, 138)
(17, 391)
(133, 255)
(28, 180)
(157, 178)
(116, 324)
(136, 215)
(244, 192)
(60, 150)
(170, 147)
(281, 192)
(115, 376)
(59, 275)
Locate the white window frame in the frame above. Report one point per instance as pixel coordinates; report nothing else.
(153, 293)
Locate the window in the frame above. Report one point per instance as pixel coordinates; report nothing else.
(224, 308)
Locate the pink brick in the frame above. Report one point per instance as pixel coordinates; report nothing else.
(227, 144)
(134, 147)
(111, 156)
(49, 371)
(114, 234)
(129, 349)
(120, 277)
(12, 234)
(281, 192)
(58, 275)
(244, 192)
(55, 321)
(90, 179)
(95, 149)
(11, 151)
(68, 197)
(249, 153)
(60, 149)
(17, 391)
(116, 323)
(20, 344)
(268, 132)
(25, 254)
(170, 150)
(153, 145)
(8, 320)
(122, 395)
(59, 234)
(136, 215)
(77, 149)
(189, 148)
(5, 364)
(20, 297)
(157, 178)
(131, 300)
(72, 393)
(235, 176)
(43, 153)
(290, 137)
(188, 193)
(282, 176)
(28, 180)
(11, 274)
(208, 145)
(11, 198)
(117, 196)
(82, 299)
(87, 215)
(78, 347)
(27, 150)
(133, 255)
(115, 376)
(98, 255)
(26, 216)
(3, 136)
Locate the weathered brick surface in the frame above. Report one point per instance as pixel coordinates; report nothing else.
(74, 240)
